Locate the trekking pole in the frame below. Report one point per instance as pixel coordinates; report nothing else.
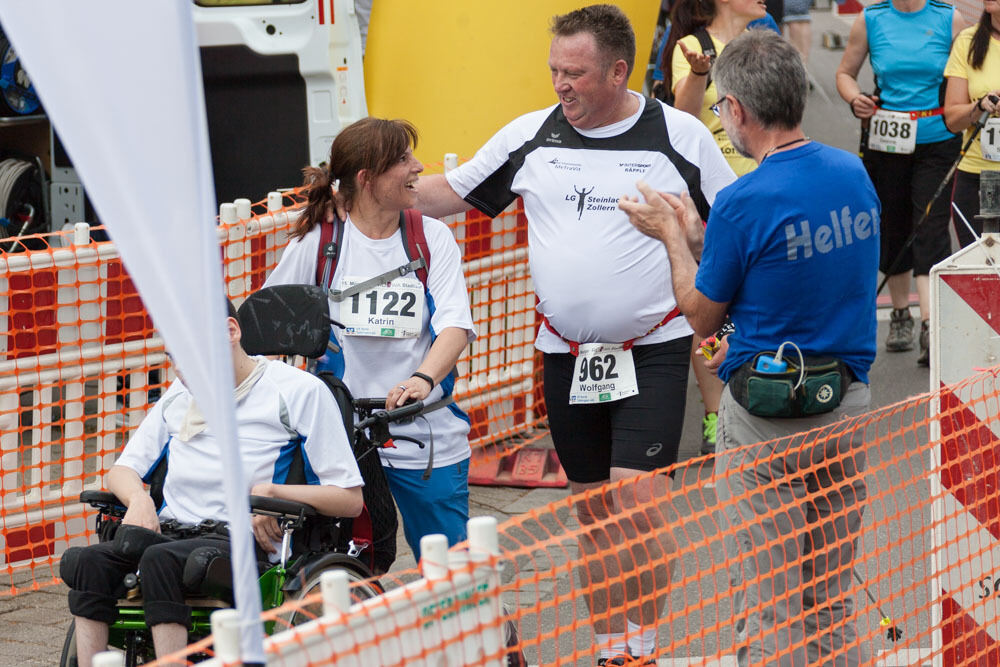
(976, 127)
(893, 634)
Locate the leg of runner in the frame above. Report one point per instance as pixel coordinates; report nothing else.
(710, 387)
(625, 585)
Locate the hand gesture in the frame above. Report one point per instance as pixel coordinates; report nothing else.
(689, 220)
(654, 218)
(699, 62)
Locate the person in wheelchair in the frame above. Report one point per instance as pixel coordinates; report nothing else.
(397, 288)
(282, 414)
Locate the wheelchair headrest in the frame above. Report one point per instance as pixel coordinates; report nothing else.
(286, 319)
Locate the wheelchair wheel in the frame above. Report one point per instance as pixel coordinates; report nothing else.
(68, 657)
(361, 589)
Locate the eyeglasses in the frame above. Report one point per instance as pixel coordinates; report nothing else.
(717, 106)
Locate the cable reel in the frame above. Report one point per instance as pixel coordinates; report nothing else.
(17, 95)
(22, 209)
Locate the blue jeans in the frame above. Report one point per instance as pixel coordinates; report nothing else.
(437, 505)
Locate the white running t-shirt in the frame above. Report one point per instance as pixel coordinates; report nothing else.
(597, 278)
(286, 411)
(372, 366)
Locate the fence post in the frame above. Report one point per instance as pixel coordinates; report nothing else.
(336, 592)
(109, 659)
(226, 634)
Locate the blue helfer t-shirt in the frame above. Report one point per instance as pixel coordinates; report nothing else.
(908, 52)
(793, 246)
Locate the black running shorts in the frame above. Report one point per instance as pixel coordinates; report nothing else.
(641, 432)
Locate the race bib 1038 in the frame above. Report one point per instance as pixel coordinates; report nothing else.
(892, 132)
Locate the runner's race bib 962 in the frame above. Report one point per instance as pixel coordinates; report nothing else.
(892, 132)
(604, 372)
(392, 310)
(989, 139)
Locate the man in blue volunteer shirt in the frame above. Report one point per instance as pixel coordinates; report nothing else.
(791, 255)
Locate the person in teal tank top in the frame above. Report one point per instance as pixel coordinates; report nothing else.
(906, 147)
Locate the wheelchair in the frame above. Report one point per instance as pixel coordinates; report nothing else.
(285, 320)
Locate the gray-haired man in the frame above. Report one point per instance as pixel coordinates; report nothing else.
(791, 254)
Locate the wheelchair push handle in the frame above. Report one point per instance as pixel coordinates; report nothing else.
(281, 508)
(382, 415)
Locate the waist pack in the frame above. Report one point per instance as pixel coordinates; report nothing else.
(812, 386)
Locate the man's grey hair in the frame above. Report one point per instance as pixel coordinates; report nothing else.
(766, 75)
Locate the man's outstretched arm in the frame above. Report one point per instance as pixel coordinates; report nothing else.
(436, 198)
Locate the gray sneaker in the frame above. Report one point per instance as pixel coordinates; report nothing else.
(925, 343)
(900, 337)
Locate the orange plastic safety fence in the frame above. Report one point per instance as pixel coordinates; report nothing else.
(873, 540)
(80, 364)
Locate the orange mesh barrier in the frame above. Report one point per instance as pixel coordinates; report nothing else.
(878, 508)
(80, 363)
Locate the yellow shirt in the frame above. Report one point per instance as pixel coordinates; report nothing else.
(680, 68)
(981, 81)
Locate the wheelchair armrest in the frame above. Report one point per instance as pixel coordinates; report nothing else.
(105, 501)
(279, 507)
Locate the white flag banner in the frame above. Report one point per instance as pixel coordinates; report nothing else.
(121, 81)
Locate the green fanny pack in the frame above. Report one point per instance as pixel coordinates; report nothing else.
(811, 387)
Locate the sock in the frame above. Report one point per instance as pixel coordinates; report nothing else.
(641, 642)
(610, 645)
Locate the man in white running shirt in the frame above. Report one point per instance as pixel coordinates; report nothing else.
(616, 349)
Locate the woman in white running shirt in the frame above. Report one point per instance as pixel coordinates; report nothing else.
(402, 335)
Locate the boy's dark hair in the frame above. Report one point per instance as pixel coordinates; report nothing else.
(608, 24)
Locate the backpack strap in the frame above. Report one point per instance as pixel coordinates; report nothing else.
(411, 223)
(411, 228)
(329, 250)
(707, 47)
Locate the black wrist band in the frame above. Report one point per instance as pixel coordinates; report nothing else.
(705, 73)
(423, 376)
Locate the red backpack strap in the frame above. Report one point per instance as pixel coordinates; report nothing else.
(329, 251)
(415, 241)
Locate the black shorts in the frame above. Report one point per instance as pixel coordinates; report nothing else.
(904, 184)
(966, 196)
(641, 432)
(98, 580)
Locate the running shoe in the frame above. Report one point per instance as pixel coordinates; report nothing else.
(627, 659)
(900, 337)
(708, 429)
(925, 339)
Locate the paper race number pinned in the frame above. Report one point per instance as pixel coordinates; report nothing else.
(392, 310)
(603, 372)
(892, 132)
(989, 139)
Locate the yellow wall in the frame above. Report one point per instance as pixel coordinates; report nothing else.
(461, 69)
